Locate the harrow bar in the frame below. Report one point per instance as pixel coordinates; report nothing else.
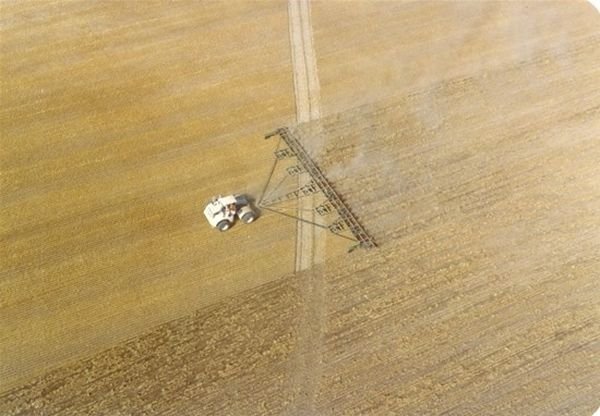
(364, 239)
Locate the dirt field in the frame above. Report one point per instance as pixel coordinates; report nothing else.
(467, 146)
(118, 123)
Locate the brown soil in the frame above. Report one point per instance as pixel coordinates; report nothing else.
(469, 152)
(119, 123)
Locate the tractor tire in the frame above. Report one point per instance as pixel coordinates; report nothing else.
(224, 225)
(248, 217)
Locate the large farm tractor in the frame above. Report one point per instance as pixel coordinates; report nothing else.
(222, 211)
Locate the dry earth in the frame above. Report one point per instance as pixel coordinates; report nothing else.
(468, 145)
(119, 121)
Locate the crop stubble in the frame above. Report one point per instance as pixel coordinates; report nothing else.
(481, 187)
(118, 123)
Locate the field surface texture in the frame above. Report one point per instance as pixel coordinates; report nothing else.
(463, 135)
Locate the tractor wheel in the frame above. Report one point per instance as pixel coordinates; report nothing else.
(223, 225)
(248, 217)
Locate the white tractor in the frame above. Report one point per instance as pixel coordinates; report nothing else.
(222, 211)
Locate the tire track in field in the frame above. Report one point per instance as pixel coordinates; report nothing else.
(305, 371)
(307, 93)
